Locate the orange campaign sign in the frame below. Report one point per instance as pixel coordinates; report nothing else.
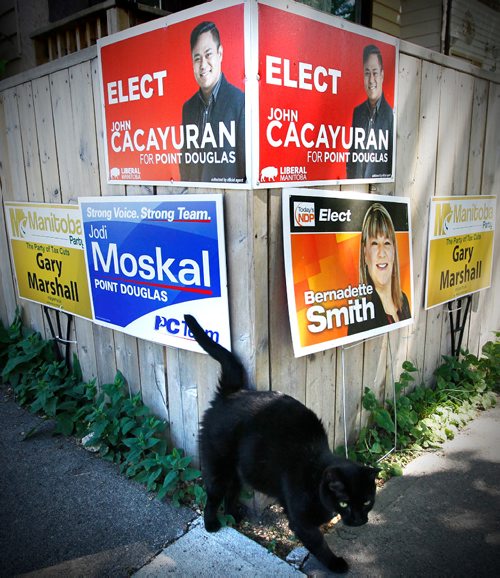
(348, 266)
(327, 98)
(154, 80)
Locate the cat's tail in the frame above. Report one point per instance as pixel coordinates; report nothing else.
(232, 378)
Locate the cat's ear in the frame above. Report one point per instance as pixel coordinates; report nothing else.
(331, 477)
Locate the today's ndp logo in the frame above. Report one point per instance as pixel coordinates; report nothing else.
(304, 214)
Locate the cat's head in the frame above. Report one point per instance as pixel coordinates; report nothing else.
(349, 489)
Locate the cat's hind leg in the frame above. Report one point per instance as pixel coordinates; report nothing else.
(232, 505)
(214, 500)
(215, 488)
(217, 485)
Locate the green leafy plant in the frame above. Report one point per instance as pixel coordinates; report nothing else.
(421, 417)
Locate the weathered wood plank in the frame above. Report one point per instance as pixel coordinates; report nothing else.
(64, 132)
(19, 190)
(320, 392)
(152, 377)
(127, 359)
(288, 374)
(186, 379)
(260, 273)
(46, 142)
(463, 102)
(490, 311)
(348, 393)
(424, 348)
(6, 187)
(375, 362)
(474, 181)
(239, 226)
(30, 143)
(491, 165)
(8, 297)
(85, 177)
(8, 302)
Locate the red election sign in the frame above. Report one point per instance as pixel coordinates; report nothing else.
(327, 96)
(152, 77)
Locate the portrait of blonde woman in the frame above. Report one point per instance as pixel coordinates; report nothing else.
(379, 267)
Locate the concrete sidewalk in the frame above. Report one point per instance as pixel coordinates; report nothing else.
(66, 512)
(442, 518)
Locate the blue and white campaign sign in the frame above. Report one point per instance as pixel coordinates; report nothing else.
(150, 260)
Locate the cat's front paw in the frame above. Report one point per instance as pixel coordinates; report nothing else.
(338, 565)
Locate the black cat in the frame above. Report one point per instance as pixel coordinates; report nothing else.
(275, 444)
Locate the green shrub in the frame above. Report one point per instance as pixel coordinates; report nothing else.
(424, 417)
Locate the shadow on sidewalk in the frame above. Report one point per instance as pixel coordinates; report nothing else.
(442, 518)
(65, 507)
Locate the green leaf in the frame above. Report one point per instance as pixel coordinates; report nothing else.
(405, 376)
(153, 476)
(408, 366)
(127, 424)
(162, 492)
(226, 520)
(190, 474)
(184, 462)
(395, 470)
(98, 429)
(384, 420)
(370, 402)
(170, 479)
(131, 442)
(151, 443)
(200, 495)
(65, 423)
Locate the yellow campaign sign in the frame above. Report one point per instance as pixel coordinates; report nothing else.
(49, 260)
(459, 264)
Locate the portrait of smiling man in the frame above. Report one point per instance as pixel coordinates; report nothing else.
(375, 117)
(214, 117)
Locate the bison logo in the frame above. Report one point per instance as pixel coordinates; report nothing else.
(268, 174)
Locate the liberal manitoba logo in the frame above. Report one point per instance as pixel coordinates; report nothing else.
(304, 214)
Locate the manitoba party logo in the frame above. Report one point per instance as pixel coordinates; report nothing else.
(461, 216)
(442, 221)
(18, 221)
(304, 214)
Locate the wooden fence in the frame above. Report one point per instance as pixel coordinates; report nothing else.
(448, 142)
